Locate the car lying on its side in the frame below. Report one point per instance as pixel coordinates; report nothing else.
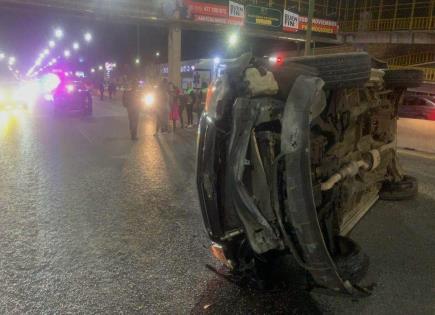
(291, 156)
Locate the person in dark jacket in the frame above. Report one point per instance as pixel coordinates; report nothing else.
(101, 88)
(131, 101)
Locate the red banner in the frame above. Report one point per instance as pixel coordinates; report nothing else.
(206, 9)
(319, 25)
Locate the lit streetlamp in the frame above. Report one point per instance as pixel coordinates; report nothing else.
(58, 33)
(233, 39)
(76, 46)
(66, 53)
(51, 43)
(88, 37)
(137, 61)
(2, 56)
(11, 60)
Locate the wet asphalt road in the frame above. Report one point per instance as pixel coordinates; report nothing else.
(92, 223)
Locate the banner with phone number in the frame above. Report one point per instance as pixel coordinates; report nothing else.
(216, 11)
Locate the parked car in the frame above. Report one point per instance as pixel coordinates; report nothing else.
(72, 96)
(289, 159)
(419, 107)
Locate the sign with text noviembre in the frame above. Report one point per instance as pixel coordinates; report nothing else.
(262, 16)
(319, 25)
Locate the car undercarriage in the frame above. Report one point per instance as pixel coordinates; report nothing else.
(290, 158)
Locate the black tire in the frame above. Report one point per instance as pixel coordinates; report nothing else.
(343, 70)
(403, 78)
(351, 262)
(406, 189)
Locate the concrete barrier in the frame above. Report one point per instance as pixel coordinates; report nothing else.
(416, 134)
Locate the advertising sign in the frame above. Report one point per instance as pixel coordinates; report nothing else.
(290, 21)
(216, 11)
(319, 25)
(263, 16)
(236, 13)
(216, 8)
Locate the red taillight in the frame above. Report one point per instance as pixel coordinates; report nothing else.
(278, 60)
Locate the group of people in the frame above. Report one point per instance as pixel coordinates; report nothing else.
(111, 88)
(170, 105)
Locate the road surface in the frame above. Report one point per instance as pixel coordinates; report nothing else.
(93, 223)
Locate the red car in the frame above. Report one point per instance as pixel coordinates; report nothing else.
(418, 107)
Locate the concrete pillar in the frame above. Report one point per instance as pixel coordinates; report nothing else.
(174, 55)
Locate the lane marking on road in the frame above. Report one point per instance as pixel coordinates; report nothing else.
(85, 136)
(425, 155)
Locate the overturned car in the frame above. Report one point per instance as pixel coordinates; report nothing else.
(290, 157)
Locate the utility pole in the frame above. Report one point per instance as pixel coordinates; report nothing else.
(309, 30)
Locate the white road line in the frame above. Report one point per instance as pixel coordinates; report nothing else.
(429, 156)
(85, 136)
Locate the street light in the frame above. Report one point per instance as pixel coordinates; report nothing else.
(100, 68)
(92, 70)
(88, 37)
(76, 46)
(233, 39)
(51, 43)
(11, 60)
(157, 53)
(46, 52)
(137, 61)
(66, 53)
(58, 33)
(54, 60)
(2, 56)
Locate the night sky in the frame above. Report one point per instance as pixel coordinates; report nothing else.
(25, 32)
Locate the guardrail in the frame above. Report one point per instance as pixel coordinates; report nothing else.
(380, 25)
(429, 73)
(412, 59)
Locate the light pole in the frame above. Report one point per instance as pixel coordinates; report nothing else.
(309, 31)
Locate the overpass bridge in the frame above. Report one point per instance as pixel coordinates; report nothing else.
(160, 13)
(361, 22)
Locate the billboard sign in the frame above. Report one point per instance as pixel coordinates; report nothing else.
(262, 16)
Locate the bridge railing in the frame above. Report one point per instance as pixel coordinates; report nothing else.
(412, 59)
(379, 25)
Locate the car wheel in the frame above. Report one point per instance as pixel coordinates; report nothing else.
(405, 189)
(351, 262)
(339, 70)
(403, 78)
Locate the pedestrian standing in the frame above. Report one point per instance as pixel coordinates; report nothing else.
(101, 88)
(162, 108)
(111, 89)
(199, 104)
(191, 100)
(131, 101)
(174, 115)
(182, 101)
